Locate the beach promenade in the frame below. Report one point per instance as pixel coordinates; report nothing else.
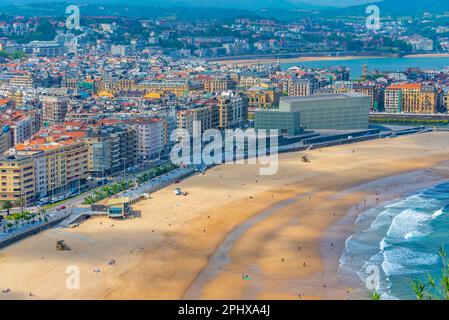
(236, 235)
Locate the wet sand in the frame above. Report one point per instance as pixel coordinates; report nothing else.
(275, 229)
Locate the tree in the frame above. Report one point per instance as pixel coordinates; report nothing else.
(375, 296)
(7, 205)
(431, 289)
(20, 203)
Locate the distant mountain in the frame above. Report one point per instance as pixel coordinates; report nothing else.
(225, 9)
(228, 4)
(401, 8)
(186, 10)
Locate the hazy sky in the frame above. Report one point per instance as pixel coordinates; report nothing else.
(338, 3)
(316, 2)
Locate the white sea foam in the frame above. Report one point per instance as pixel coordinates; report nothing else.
(437, 213)
(407, 222)
(395, 238)
(402, 261)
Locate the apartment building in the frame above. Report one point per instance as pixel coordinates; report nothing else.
(232, 109)
(411, 98)
(206, 114)
(20, 126)
(150, 137)
(17, 178)
(62, 163)
(5, 139)
(445, 99)
(114, 86)
(100, 156)
(54, 109)
(179, 87)
(246, 82)
(22, 81)
(376, 95)
(217, 83)
(301, 87)
(393, 100)
(111, 149)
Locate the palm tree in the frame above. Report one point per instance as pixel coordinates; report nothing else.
(20, 203)
(7, 205)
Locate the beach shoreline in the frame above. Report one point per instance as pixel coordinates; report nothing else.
(255, 60)
(428, 55)
(345, 227)
(164, 252)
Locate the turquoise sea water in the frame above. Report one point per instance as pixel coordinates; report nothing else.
(401, 238)
(382, 64)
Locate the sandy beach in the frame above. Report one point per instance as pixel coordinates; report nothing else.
(428, 55)
(286, 232)
(254, 60)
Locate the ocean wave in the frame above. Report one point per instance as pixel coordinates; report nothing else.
(401, 238)
(407, 222)
(405, 261)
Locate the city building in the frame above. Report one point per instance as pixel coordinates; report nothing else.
(64, 162)
(262, 96)
(22, 81)
(47, 48)
(54, 109)
(217, 83)
(111, 149)
(287, 122)
(5, 139)
(180, 87)
(17, 179)
(344, 111)
(301, 87)
(20, 125)
(411, 98)
(232, 110)
(150, 137)
(207, 115)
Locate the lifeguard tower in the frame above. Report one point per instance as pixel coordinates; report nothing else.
(118, 207)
